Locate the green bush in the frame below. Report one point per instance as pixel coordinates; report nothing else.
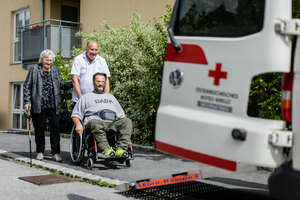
(265, 96)
(296, 8)
(135, 56)
(65, 66)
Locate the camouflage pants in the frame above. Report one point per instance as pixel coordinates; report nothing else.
(122, 126)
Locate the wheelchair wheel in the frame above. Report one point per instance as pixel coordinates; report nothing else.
(77, 146)
(89, 163)
(128, 163)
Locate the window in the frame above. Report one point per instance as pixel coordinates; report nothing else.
(21, 18)
(18, 121)
(219, 18)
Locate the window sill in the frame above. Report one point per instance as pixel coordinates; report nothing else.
(17, 131)
(15, 63)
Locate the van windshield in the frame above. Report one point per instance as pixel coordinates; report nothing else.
(219, 18)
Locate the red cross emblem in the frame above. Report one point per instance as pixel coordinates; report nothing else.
(217, 74)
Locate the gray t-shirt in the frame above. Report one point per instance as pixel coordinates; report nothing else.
(104, 107)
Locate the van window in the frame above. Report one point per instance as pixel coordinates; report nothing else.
(219, 18)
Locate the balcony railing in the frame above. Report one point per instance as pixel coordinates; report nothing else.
(49, 34)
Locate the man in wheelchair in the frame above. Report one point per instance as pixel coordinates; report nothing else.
(101, 112)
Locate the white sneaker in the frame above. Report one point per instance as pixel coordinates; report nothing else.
(40, 156)
(57, 158)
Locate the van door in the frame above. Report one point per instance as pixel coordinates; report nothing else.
(223, 44)
(296, 106)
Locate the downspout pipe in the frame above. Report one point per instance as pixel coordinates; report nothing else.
(42, 10)
(44, 25)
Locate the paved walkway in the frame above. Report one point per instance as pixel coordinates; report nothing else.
(12, 187)
(60, 169)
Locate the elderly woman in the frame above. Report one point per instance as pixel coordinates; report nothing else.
(42, 97)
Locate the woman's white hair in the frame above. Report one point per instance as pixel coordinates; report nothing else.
(46, 52)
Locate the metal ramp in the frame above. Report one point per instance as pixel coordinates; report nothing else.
(193, 190)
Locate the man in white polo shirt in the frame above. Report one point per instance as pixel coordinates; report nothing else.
(84, 67)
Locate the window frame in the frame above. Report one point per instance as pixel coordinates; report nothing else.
(18, 111)
(21, 12)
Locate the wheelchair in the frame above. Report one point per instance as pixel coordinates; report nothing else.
(86, 142)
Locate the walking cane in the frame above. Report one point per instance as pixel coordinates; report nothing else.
(30, 152)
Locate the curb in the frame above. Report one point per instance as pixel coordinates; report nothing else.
(63, 170)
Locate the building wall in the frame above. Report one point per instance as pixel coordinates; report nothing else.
(52, 9)
(92, 14)
(118, 12)
(11, 72)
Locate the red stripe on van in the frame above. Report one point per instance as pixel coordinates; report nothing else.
(199, 157)
(190, 54)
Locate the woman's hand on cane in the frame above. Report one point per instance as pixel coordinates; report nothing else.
(28, 107)
(26, 113)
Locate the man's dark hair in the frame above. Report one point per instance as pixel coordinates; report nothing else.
(100, 74)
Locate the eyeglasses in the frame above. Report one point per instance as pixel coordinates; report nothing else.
(100, 81)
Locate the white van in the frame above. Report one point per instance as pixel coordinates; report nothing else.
(215, 49)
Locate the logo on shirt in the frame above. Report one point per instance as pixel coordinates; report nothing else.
(103, 101)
